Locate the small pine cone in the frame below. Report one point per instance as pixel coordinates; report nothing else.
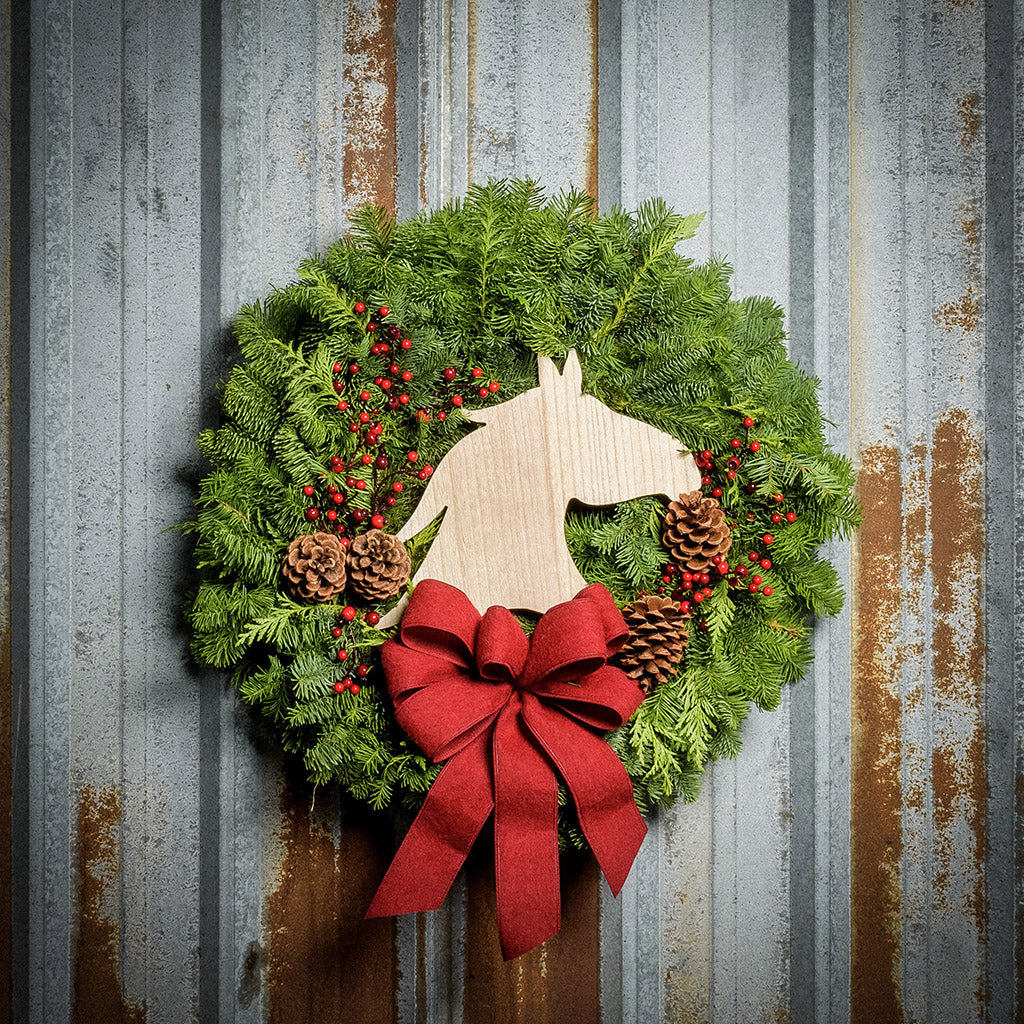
(378, 565)
(315, 566)
(695, 531)
(657, 639)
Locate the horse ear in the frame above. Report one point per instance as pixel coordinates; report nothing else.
(547, 373)
(572, 374)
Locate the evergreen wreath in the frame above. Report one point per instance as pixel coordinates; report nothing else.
(352, 388)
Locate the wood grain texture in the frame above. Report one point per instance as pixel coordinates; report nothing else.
(551, 444)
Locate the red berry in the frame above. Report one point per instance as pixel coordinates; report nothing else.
(716, 492)
(476, 371)
(359, 515)
(684, 607)
(442, 415)
(385, 385)
(449, 374)
(687, 577)
(705, 578)
(337, 498)
(751, 487)
(406, 343)
(456, 400)
(755, 446)
(348, 613)
(377, 521)
(354, 689)
(371, 327)
(312, 513)
(381, 462)
(753, 556)
(337, 631)
(723, 567)
(397, 486)
(337, 367)
(390, 501)
(366, 459)
(753, 588)
(484, 392)
(766, 563)
(706, 455)
(698, 597)
(403, 399)
(757, 579)
(384, 310)
(360, 485)
(741, 570)
(768, 538)
(706, 591)
(309, 490)
(354, 427)
(362, 670)
(778, 498)
(343, 405)
(339, 687)
(493, 386)
(790, 517)
(731, 474)
(331, 514)
(407, 375)
(353, 368)
(364, 417)
(360, 308)
(748, 422)
(767, 591)
(413, 456)
(373, 618)
(342, 654)
(364, 396)
(776, 518)
(705, 480)
(736, 443)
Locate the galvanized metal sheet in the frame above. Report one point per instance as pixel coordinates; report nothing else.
(857, 862)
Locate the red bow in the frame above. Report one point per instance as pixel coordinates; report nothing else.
(506, 712)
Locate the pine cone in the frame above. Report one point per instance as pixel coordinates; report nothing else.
(657, 638)
(695, 531)
(378, 565)
(315, 566)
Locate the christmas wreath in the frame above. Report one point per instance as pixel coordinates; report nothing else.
(357, 379)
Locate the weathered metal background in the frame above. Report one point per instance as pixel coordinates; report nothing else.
(168, 161)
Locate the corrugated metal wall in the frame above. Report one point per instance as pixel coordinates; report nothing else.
(168, 161)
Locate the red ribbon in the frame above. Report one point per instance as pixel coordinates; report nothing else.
(509, 714)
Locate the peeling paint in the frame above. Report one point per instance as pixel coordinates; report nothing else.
(96, 996)
(970, 119)
(556, 983)
(370, 162)
(876, 842)
(958, 661)
(325, 962)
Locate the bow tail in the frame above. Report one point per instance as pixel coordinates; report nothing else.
(438, 843)
(600, 787)
(525, 837)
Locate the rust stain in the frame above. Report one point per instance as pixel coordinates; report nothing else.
(325, 962)
(958, 658)
(556, 983)
(876, 842)
(964, 312)
(594, 122)
(96, 996)
(970, 226)
(970, 119)
(370, 161)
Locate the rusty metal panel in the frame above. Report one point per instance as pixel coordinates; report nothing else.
(860, 862)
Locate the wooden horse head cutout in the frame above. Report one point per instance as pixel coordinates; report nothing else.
(506, 488)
